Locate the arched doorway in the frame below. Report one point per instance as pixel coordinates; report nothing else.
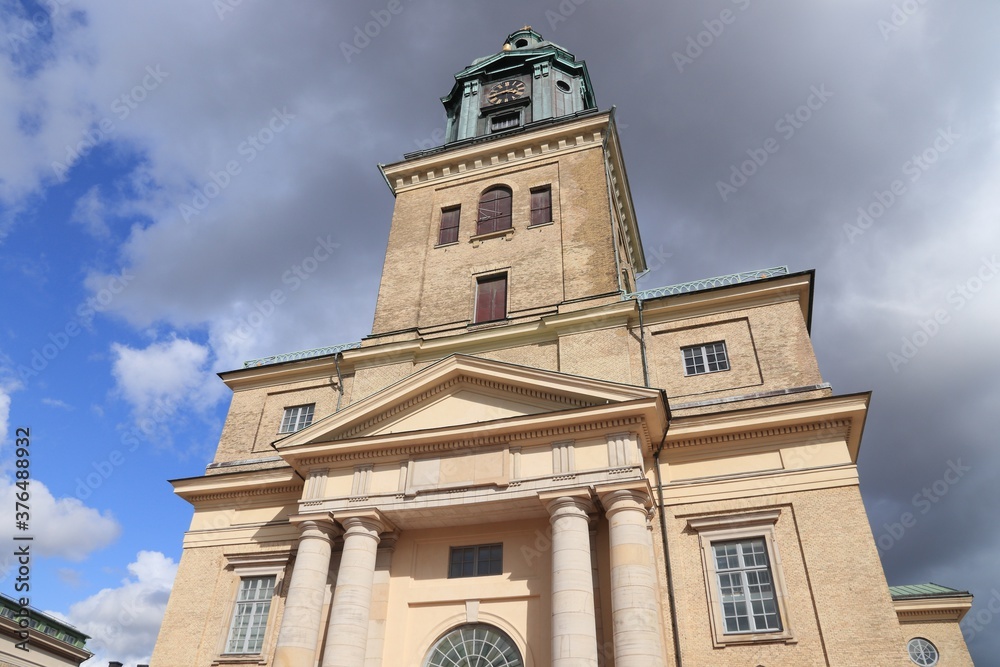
(474, 645)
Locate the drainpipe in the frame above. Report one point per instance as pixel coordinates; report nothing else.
(671, 595)
(642, 347)
(340, 379)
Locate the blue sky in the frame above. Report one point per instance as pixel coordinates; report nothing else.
(166, 170)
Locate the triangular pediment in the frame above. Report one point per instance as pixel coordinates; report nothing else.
(463, 390)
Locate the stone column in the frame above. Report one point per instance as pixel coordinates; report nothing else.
(634, 600)
(347, 632)
(574, 627)
(380, 600)
(298, 636)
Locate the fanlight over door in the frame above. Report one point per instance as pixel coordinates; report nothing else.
(476, 645)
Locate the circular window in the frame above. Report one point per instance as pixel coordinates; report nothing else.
(521, 43)
(922, 652)
(563, 86)
(475, 645)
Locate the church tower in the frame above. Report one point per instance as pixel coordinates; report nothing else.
(523, 212)
(528, 462)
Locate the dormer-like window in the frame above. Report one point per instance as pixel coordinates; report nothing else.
(494, 210)
(505, 121)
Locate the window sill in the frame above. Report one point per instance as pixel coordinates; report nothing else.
(240, 659)
(479, 238)
(542, 224)
(755, 638)
(476, 326)
(696, 375)
(445, 245)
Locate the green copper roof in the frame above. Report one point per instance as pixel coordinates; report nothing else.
(923, 591)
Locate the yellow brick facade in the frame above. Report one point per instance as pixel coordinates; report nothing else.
(569, 432)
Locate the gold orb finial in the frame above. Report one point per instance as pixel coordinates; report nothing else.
(506, 47)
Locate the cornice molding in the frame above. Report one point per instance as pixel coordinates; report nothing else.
(481, 441)
(502, 152)
(245, 493)
(756, 434)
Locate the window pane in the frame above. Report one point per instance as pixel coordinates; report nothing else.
(449, 225)
(491, 299)
(494, 210)
(541, 205)
(746, 588)
(253, 604)
(705, 358)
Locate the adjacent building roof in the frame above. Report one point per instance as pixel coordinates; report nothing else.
(924, 591)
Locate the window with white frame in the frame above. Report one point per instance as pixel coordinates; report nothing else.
(297, 418)
(743, 577)
(746, 588)
(922, 652)
(253, 605)
(708, 358)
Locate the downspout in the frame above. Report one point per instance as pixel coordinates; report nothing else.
(671, 594)
(340, 379)
(642, 347)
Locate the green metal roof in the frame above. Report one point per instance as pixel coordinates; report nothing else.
(923, 591)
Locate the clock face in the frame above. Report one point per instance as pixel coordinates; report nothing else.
(505, 91)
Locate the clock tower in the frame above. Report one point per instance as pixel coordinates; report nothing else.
(530, 80)
(523, 212)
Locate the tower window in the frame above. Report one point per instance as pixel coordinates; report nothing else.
(505, 121)
(494, 210)
(297, 418)
(709, 358)
(491, 298)
(563, 86)
(449, 225)
(541, 205)
(521, 43)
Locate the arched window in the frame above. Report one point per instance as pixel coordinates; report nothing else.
(475, 645)
(494, 210)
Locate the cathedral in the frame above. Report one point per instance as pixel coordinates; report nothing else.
(531, 463)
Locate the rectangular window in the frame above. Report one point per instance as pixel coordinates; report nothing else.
(253, 604)
(491, 298)
(746, 589)
(541, 205)
(297, 418)
(449, 225)
(707, 358)
(505, 121)
(478, 561)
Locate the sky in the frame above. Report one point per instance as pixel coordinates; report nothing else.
(165, 168)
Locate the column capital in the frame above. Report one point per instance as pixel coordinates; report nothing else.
(316, 525)
(370, 520)
(575, 501)
(628, 495)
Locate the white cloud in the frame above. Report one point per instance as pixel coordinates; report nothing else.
(123, 622)
(56, 403)
(163, 376)
(62, 527)
(91, 211)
